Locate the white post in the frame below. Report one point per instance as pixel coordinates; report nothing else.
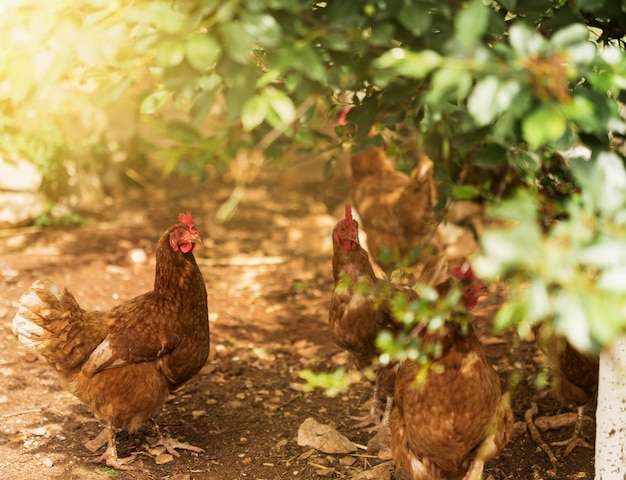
(611, 413)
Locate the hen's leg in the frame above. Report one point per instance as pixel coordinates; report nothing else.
(171, 444)
(376, 418)
(577, 439)
(388, 407)
(475, 471)
(110, 454)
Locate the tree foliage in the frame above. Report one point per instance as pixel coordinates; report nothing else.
(494, 91)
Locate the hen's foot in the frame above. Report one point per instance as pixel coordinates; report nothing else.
(572, 443)
(377, 419)
(171, 444)
(112, 460)
(577, 439)
(373, 419)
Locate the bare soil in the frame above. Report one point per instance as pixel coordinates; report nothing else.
(268, 276)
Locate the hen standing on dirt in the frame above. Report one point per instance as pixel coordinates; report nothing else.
(354, 317)
(450, 416)
(124, 362)
(396, 210)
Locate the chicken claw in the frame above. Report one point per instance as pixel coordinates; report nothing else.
(110, 454)
(171, 444)
(374, 417)
(577, 439)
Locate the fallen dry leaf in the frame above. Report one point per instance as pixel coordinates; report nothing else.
(323, 437)
(380, 472)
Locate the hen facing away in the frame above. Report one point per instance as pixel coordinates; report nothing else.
(450, 416)
(396, 210)
(575, 379)
(122, 363)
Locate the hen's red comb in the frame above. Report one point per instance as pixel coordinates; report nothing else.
(463, 272)
(186, 219)
(348, 212)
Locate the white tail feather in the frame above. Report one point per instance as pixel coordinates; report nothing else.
(32, 311)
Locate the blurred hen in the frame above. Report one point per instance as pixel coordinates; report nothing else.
(396, 210)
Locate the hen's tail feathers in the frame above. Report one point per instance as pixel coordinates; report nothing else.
(50, 320)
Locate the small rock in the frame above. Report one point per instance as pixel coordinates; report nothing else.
(347, 461)
(19, 176)
(181, 476)
(19, 208)
(47, 462)
(163, 458)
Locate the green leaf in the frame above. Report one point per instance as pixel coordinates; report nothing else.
(254, 111)
(171, 52)
(182, 132)
(610, 183)
(237, 42)
(522, 207)
(613, 279)
(202, 52)
(525, 41)
(111, 89)
(416, 18)
(537, 301)
(490, 97)
(201, 106)
(465, 192)
(153, 102)
(407, 63)
(572, 319)
(509, 314)
(470, 24)
(448, 84)
(570, 35)
(582, 111)
(282, 105)
(543, 126)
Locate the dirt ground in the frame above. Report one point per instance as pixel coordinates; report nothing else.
(269, 282)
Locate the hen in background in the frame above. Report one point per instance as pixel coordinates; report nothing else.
(450, 416)
(396, 210)
(355, 316)
(575, 379)
(124, 362)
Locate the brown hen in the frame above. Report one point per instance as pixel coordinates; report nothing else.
(396, 210)
(450, 416)
(124, 362)
(356, 317)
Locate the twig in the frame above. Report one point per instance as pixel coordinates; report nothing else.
(536, 436)
(295, 397)
(23, 412)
